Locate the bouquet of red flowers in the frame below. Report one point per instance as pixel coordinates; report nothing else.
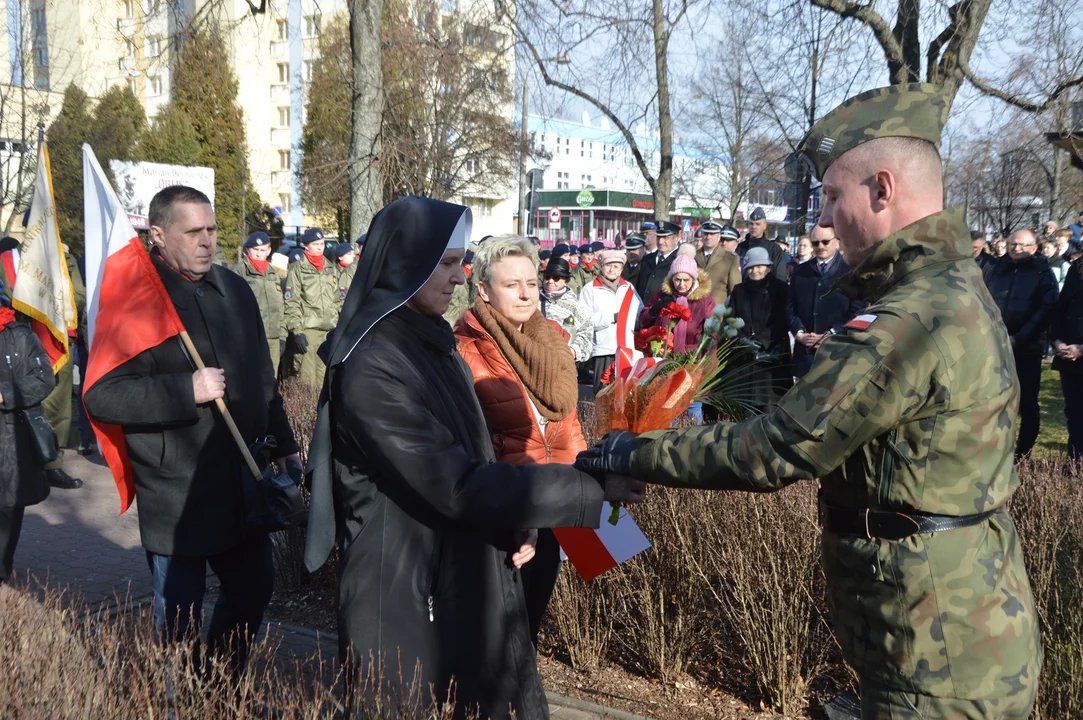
(655, 391)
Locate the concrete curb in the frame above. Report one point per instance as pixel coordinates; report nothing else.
(599, 710)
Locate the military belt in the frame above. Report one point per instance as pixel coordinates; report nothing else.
(889, 524)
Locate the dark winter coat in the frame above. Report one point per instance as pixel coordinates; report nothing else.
(187, 468)
(700, 301)
(779, 257)
(1026, 293)
(652, 273)
(762, 306)
(1067, 323)
(812, 306)
(631, 274)
(23, 384)
(425, 520)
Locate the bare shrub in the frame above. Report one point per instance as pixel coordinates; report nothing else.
(758, 558)
(61, 661)
(658, 596)
(580, 620)
(300, 401)
(1048, 510)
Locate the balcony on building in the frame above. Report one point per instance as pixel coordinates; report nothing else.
(126, 26)
(280, 136)
(280, 49)
(280, 93)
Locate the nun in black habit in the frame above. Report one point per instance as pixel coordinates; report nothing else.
(404, 481)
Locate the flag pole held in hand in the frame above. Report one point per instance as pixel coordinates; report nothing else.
(251, 461)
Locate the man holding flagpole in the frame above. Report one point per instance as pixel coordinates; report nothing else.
(43, 292)
(164, 420)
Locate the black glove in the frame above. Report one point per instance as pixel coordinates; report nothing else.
(300, 343)
(612, 456)
(664, 300)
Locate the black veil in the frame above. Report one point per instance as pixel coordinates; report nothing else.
(406, 241)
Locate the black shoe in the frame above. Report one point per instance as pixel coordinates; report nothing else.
(60, 479)
(87, 450)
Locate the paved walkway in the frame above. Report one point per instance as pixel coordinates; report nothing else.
(76, 540)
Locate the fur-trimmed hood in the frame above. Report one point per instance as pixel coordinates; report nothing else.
(698, 293)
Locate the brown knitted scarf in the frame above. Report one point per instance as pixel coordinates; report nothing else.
(539, 356)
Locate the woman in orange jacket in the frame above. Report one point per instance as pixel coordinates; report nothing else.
(525, 378)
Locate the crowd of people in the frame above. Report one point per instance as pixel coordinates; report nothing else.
(886, 361)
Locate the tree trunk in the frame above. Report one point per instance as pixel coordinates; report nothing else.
(366, 183)
(663, 184)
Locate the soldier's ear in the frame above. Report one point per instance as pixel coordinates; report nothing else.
(884, 190)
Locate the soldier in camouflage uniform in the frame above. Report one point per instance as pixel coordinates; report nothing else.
(346, 265)
(312, 305)
(907, 418)
(267, 286)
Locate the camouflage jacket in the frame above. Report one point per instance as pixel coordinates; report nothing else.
(312, 299)
(267, 287)
(916, 411)
(583, 276)
(345, 279)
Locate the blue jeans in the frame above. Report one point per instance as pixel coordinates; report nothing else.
(246, 580)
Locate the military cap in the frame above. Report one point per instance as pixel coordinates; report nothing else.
(710, 227)
(560, 249)
(468, 258)
(729, 232)
(667, 228)
(914, 110)
(634, 241)
(597, 246)
(257, 239)
(586, 248)
(558, 268)
(545, 254)
(573, 250)
(363, 239)
(311, 235)
(648, 225)
(758, 214)
(343, 248)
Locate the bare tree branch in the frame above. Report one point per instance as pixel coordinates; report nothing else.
(892, 49)
(1021, 103)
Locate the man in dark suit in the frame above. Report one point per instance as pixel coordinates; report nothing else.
(813, 310)
(656, 267)
(723, 267)
(187, 468)
(635, 246)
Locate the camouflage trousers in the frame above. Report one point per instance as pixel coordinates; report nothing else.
(880, 703)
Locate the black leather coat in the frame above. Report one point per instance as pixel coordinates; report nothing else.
(425, 518)
(1026, 293)
(652, 273)
(187, 468)
(23, 384)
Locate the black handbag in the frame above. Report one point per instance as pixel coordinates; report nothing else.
(274, 501)
(41, 432)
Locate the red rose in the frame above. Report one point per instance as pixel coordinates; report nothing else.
(677, 311)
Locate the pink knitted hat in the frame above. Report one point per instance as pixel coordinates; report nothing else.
(684, 264)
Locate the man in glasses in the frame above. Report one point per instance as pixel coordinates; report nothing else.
(1025, 290)
(813, 309)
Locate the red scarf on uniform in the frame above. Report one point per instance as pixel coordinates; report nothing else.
(587, 265)
(7, 316)
(316, 260)
(260, 265)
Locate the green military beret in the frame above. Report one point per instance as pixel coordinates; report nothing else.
(916, 110)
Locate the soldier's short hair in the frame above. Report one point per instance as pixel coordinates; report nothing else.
(161, 205)
(499, 247)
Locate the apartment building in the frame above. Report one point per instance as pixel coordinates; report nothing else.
(101, 43)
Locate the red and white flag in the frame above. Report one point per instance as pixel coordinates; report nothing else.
(41, 285)
(128, 308)
(593, 552)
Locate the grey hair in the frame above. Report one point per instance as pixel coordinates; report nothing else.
(497, 248)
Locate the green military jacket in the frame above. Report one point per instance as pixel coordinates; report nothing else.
(345, 277)
(311, 296)
(915, 411)
(268, 287)
(583, 276)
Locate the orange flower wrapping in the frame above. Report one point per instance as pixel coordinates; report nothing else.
(654, 400)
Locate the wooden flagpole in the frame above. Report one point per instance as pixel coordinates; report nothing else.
(224, 410)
